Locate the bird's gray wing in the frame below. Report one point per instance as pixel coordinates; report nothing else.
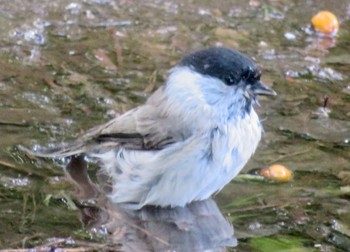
(142, 128)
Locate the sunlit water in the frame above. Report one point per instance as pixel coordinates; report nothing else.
(67, 66)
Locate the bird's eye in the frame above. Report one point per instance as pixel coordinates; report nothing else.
(229, 80)
(251, 74)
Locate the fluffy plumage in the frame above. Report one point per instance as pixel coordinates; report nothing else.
(190, 138)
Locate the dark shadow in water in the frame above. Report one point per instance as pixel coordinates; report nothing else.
(200, 226)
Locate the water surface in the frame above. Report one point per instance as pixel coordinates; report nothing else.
(67, 66)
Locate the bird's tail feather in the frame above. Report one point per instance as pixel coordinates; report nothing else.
(100, 144)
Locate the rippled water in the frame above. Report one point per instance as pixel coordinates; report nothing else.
(67, 66)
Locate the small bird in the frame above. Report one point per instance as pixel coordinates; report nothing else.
(190, 138)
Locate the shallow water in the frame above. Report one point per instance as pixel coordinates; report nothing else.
(67, 66)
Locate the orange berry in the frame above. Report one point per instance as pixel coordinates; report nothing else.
(277, 172)
(326, 23)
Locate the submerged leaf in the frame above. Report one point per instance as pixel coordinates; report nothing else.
(279, 243)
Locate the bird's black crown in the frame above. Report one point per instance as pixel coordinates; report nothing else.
(228, 65)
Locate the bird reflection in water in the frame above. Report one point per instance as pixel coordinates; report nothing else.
(199, 226)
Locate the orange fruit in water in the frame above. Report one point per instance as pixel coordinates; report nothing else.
(277, 173)
(325, 22)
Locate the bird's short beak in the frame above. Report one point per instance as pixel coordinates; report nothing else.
(261, 89)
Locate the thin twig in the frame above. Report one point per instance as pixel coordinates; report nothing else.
(22, 170)
(8, 165)
(18, 124)
(289, 155)
(245, 209)
(51, 84)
